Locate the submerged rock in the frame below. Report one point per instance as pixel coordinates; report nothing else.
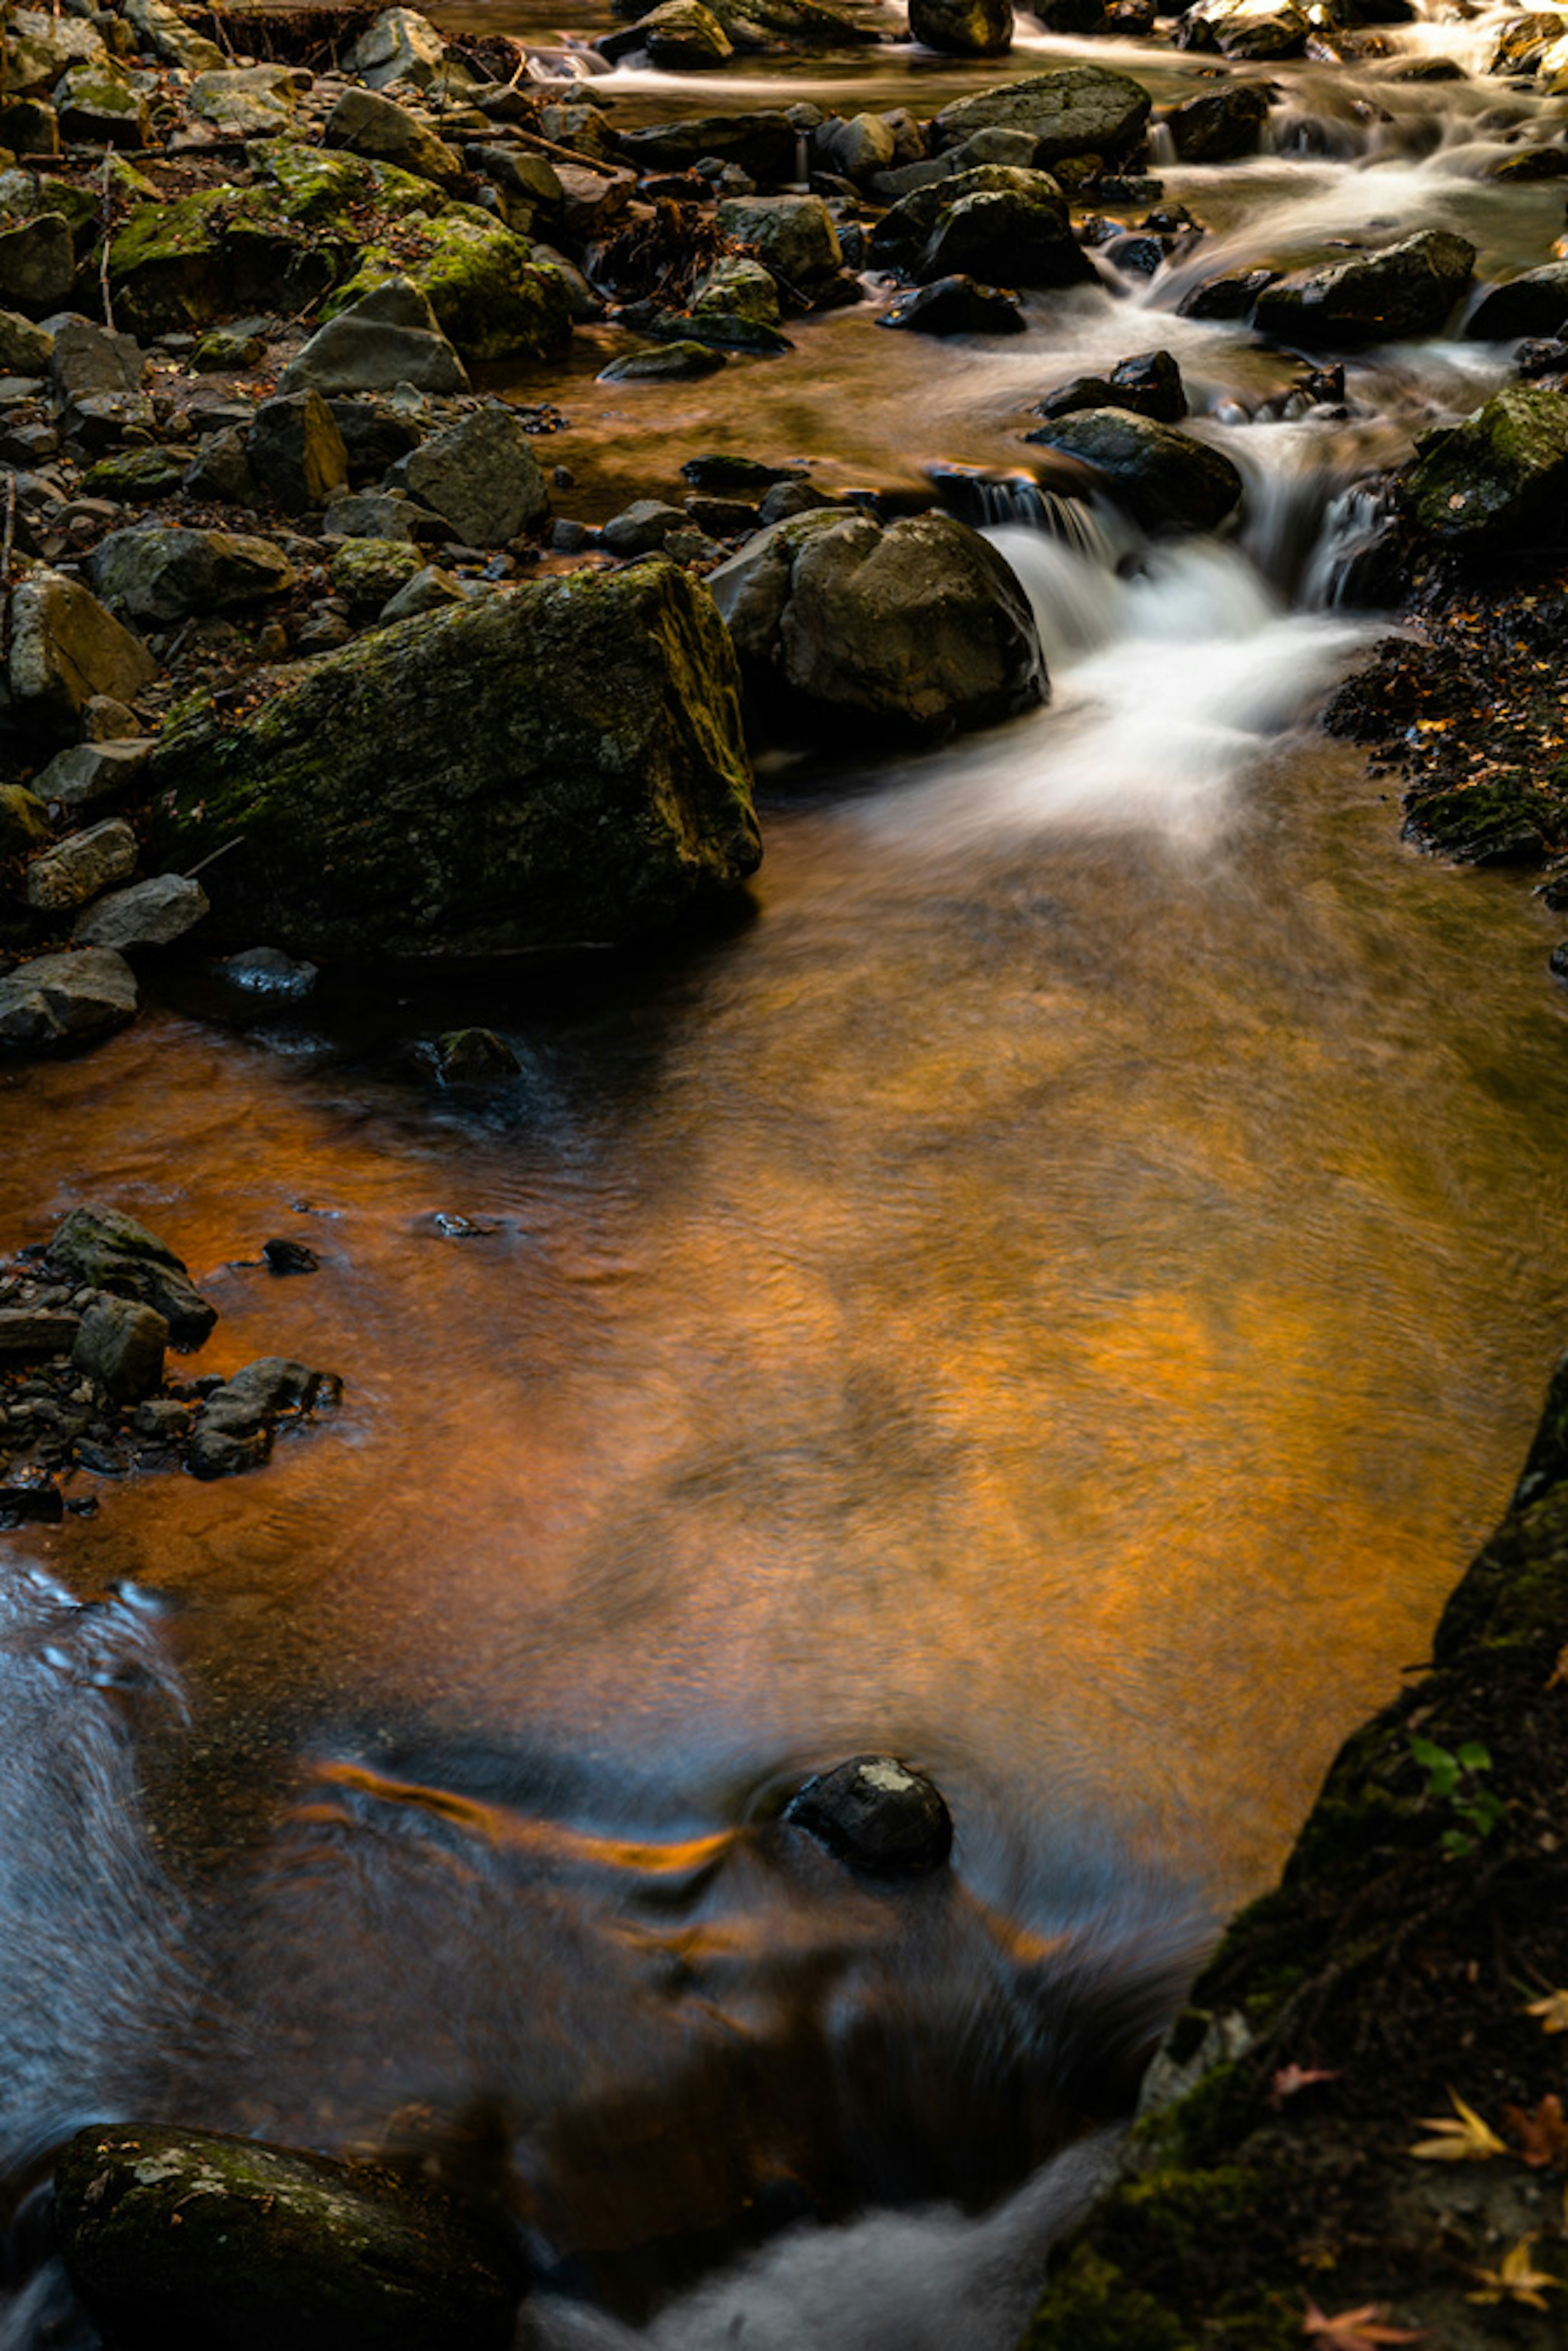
(1408, 288)
(917, 627)
(878, 1815)
(555, 762)
(178, 2240)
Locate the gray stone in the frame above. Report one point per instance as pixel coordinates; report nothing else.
(267, 971)
(793, 236)
(1221, 124)
(121, 1345)
(29, 1333)
(1077, 110)
(104, 1249)
(1165, 479)
(642, 528)
(296, 451)
(955, 306)
(400, 45)
(1006, 226)
(162, 573)
(237, 1421)
(251, 101)
(85, 357)
(220, 470)
(65, 649)
(368, 124)
(81, 865)
(389, 336)
(163, 31)
(59, 1001)
(429, 590)
(430, 787)
(37, 263)
(963, 28)
(98, 106)
(855, 148)
(481, 475)
(916, 628)
(151, 914)
(876, 1814)
(1408, 288)
(25, 348)
(672, 363)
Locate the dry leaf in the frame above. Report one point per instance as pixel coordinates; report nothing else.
(1354, 2330)
(1553, 2011)
(1289, 2079)
(1468, 2140)
(1515, 2279)
(1542, 2136)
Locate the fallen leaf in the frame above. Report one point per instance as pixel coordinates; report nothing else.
(1289, 2079)
(1354, 2330)
(1542, 2136)
(1468, 2140)
(1515, 2279)
(1553, 2011)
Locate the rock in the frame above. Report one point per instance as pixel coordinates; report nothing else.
(1231, 296)
(762, 144)
(376, 433)
(121, 1345)
(390, 335)
(249, 101)
(286, 1256)
(793, 236)
(59, 1001)
(29, 126)
(383, 515)
(65, 648)
(491, 299)
(1254, 30)
(1407, 289)
(1483, 824)
(857, 148)
(429, 590)
(368, 124)
(642, 528)
(151, 914)
(475, 1057)
(81, 865)
(92, 775)
(29, 1333)
(239, 1420)
(1220, 125)
(267, 971)
(98, 108)
(429, 788)
(162, 573)
(481, 475)
(104, 1249)
(671, 363)
(917, 628)
(963, 28)
(955, 306)
(1150, 385)
(84, 358)
(1535, 303)
(23, 821)
(681, 37)
(296, 451)
(165, 32)
(400, 45)
(24, 349)
(1524, 40)
(1498, 480)
(1010, 225)
(220, 470)
(37, 263)
(1077, 110)
(368, 570)
(272, 2244)
(1165, 479)
(876, 1814)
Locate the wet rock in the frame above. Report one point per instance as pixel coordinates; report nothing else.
(480, 475)
(267, 971)
(37, 263)
(1220, 125)
(239, 1421)
(1524, 40)
(151, 914)
(27, 1498)
(1258, 31)
(81, 865)
(1009, 225)
(671, 363)
(1408, 288)
(963, 28)
(93, 775)
(390, 335)
(272, 2244)
(368, 124)
(388, 514)
(794, 236)
(763, 144)
(955, 306)
(642, 528)
(475, 1057)
(104, 1249)
(56, 1002)
(787, 498)
(588, 706)
(876, 1814)
(681, 37)
(1165, 479)
(856, 148)
(1498, 480)
(286, 1256)
(1077, 110)
(918, 627)
(1150, 385)
(1233, 294)
(296, 451)
(716, 469)
(23, 821)
(399, 45)
(121, 1345)
(30, 1333)
(1535, 303)
(161, 573)
(491, 299)
(1503, 823)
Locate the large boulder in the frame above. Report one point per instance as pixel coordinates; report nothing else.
(552, 763)
(160, 572)
(1220, 124)
(1006, 226)
(916, 628)
(794, 236)
(1408, 288)
(399, 45)
(963, 28)
(1165, 479)
(175, 2238)
(1499, 480)
(1077, 110)
(390, 335)
(65, 649)
(368, 124)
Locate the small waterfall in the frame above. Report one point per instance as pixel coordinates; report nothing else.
(1339, 570)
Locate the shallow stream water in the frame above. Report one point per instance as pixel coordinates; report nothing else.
(1057, 1294)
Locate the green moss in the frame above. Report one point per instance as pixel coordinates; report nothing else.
(368, 570)
(1510, 821)
(492, 299)
(315, 186)
(1090, 2306)
(136, 473)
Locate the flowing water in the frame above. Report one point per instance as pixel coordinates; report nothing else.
(1057, 1294)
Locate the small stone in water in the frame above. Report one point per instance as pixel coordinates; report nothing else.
(289, 1257)
(876, 1814)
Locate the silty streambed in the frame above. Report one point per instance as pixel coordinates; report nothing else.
(1056, 1297)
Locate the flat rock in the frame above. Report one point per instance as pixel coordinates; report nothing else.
(81, 865)
(1077, 110)
(59, 1001)
(151, 914)
(162, 573)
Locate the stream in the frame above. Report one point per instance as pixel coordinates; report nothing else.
(1057, 1295)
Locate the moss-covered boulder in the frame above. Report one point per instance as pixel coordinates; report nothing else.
(491, 299)
(179, 2238)
(1499, 479)
(1077, 110)
(557, 762)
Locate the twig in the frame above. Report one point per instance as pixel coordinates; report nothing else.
(6, 547)
(108, 233)
(213, 856)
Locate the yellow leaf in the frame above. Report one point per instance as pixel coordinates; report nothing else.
(1468, 2140)
(1515, 2278)
(1553, 2011)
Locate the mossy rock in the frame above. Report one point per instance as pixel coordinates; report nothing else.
(491, 298)
(137, 474)
(1499, 480)
(554, 763)
(368, 570)
(316, 187)
(1508, 823)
